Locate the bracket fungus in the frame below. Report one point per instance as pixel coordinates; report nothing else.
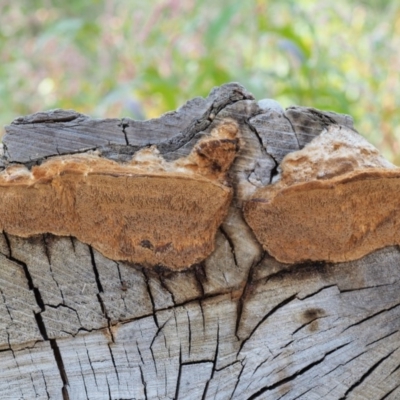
(337, 200)
(147, 211)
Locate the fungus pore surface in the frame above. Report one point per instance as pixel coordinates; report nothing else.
(147, 211)
(337, 200)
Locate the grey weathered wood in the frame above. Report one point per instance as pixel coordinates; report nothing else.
(240, 325)
(32, 138)
(37, 136)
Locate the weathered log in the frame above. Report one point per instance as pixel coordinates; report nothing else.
(111, 289)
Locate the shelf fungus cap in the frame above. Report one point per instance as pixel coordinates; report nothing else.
(148, 211)
(337, 200)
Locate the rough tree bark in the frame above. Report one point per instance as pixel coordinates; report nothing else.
(237, 324)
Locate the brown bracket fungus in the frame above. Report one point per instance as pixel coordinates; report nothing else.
(337, 200)
(147, 211)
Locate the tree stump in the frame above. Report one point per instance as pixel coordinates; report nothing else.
(162, 259)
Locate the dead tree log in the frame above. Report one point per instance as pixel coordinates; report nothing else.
(186, 258)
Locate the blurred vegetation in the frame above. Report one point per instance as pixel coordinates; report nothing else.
(139, 59)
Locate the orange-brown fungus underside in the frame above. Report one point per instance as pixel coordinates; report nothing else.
(338, 200)
(148, 211)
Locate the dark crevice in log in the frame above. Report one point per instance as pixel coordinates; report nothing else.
(396, 369)
(294, 130)
(301, 394)
(113, 361)
(284, 346)
(32, 287)
(121, 281)
(171, 152)
(99, 294)
(245, 292)
(124, 125)
(91, 367)
(325, 119)
(295, 375)
(46, 248)
(300, 271)
(365, 375)
(164, 285)
(84, 381)
(230, 242)
(204, 396)
(8, 245)
(389, 393)
(148, 288)
(316, 292)
(48, 118)
(95, 271)
(72, 243)
(159, 330)
(181, 304)
(33, 384)
(202, 314)
(347, 362)
(306, 324)
(275, 170)
(139, 352)
(41, 326)
(143, 381)
(365, 287)
(382, 338)
(197, 362)
(228, 365)
(47, 253)
(264, 362)
(80, 330)
(61, 368)
(178, 380)
(238, 380)
(257, 135)
(371, 316)
(45, 386)
(5, 303)
(239, 312)
(266, 316)
(104, 311)
(56, 306)
(201, 277)
(28, 276)
(190, 332)
(38, 162)
(109, 390)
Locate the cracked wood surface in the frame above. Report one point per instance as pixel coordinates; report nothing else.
(238, 325)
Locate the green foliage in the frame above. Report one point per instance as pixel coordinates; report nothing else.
(140, 59)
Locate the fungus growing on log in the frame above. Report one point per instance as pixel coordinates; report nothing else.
(147, 211)
(337, 200)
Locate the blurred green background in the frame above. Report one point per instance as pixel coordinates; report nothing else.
(141, 58)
